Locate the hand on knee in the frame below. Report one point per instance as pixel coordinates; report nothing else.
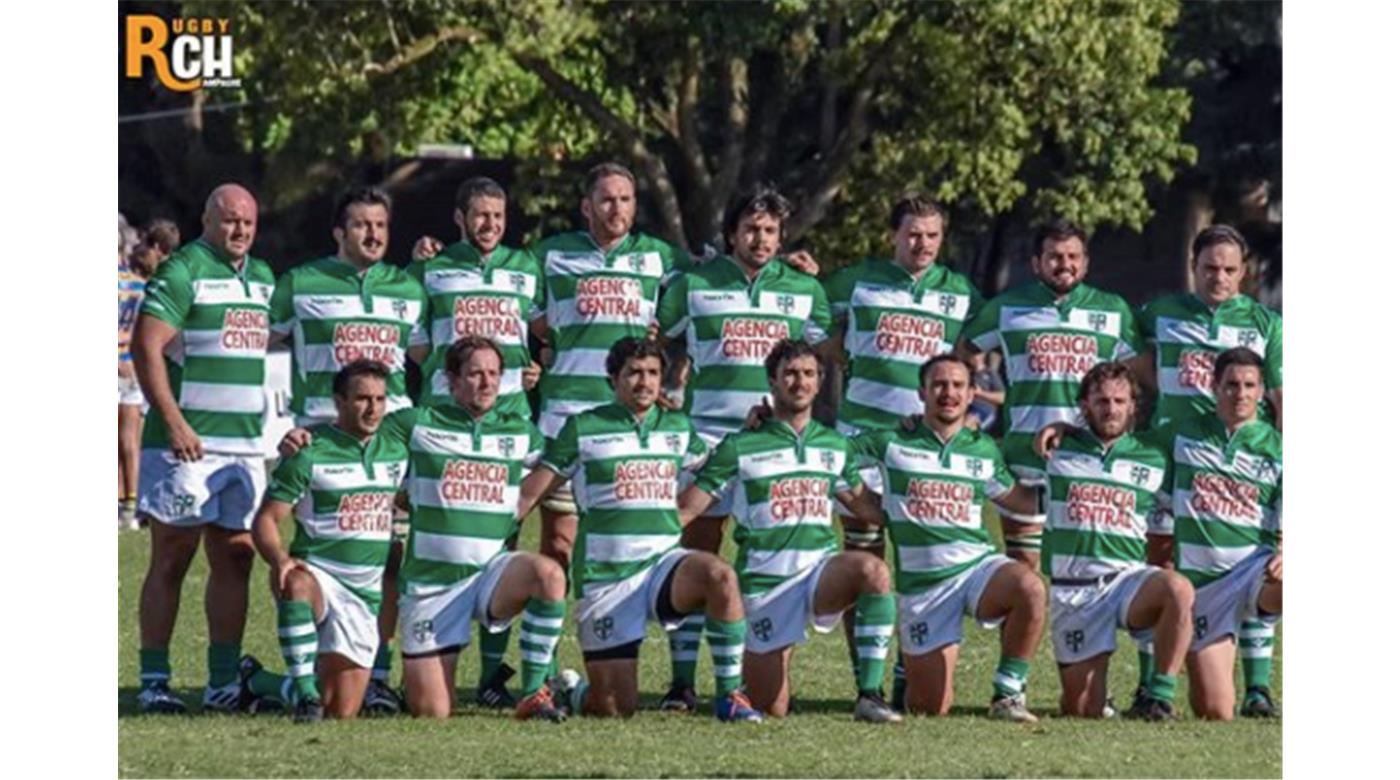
(299, 586)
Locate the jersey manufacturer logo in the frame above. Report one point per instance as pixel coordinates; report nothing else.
(603, 627)
(1074, 639)
(762, 628)
(918, 633)
(422, 630)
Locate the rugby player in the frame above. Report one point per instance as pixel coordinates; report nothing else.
(731, 311)
(328, 584)
(1184, 333)
(1224, 529)
(478, 286)
(342, 308)
(199, 349)
(466, 462)
(1102, 482)
(625, 458)
(937, 477)
(780, 480)
(1051, 333)
(891, 316)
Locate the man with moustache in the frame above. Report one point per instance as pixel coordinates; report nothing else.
(780, 479)
(350, 306)
(938, 475)
(1051, 332)
(199, 349)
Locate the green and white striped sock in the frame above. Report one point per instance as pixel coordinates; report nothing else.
(540, 628)
(1257, 653)
(1010, 677)
(685, 649)
(296, 633)
(874, 626)
(726, 639)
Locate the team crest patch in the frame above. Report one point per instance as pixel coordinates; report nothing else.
(603, 627)
(1074, 639)
(918, 633)
(673, 442)
(786, 303)
(401, 309)
(517, 282)
(828, 460)
(946, 303)
(506, 444)
(395, 472)
(1098, 321)
(1248, 337)
(637, 262)
(974, 465)
(422, 630)
(763, 628)
(1139, 475)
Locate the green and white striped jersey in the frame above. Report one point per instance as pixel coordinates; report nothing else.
(784, 483)
(336, 315)
(1187, 336)
(624, 475)
(731, 324)
(1100, 503)
(217, 362)
(934, 492)
(495, 297)
(343, 490)
(1049, 346)
(594, 298)
(892, 324)
(463, 489)
(1227, 495)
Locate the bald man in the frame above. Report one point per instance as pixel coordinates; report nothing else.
(199, 349)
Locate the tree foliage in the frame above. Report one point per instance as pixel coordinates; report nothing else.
(1042, 107)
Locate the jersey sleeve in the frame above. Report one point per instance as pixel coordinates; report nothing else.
(675, 263)
(291, 478)
(1129, 339)
(1001, 480)
(982, 330)
(1146, 318)
(721, 468)
(696, 452)
(1272, 522)
(561, 452)
(818, 326)
(838, 294)
(671, 315)
(975, 303)
(1273, 353)
(419, 335)
(849, 478)
(280, 309)
(867, 448)
(537, 302)
(536, 449)
(169, 294)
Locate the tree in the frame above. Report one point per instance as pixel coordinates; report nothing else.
(998, 107)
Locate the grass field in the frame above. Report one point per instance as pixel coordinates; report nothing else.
(820, 740)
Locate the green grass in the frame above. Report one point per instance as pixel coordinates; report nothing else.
(819, 740)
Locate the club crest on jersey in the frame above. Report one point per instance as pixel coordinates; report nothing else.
(603, 627)
(974, 465)
(1265, 470)
(946, 303)
(673, 442)
(763, 629)
(1098, 321)
(1247, 338)
(517, 282)
(506, 444)
(401, 309)
(395, 472)
(1139, 475)
(786, 303)
(828, 460)
(637, 263)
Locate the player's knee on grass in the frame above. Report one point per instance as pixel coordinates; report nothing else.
(612, 688)
(929, 681)
(766, 681)
(1212, 680)
(428, 683)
